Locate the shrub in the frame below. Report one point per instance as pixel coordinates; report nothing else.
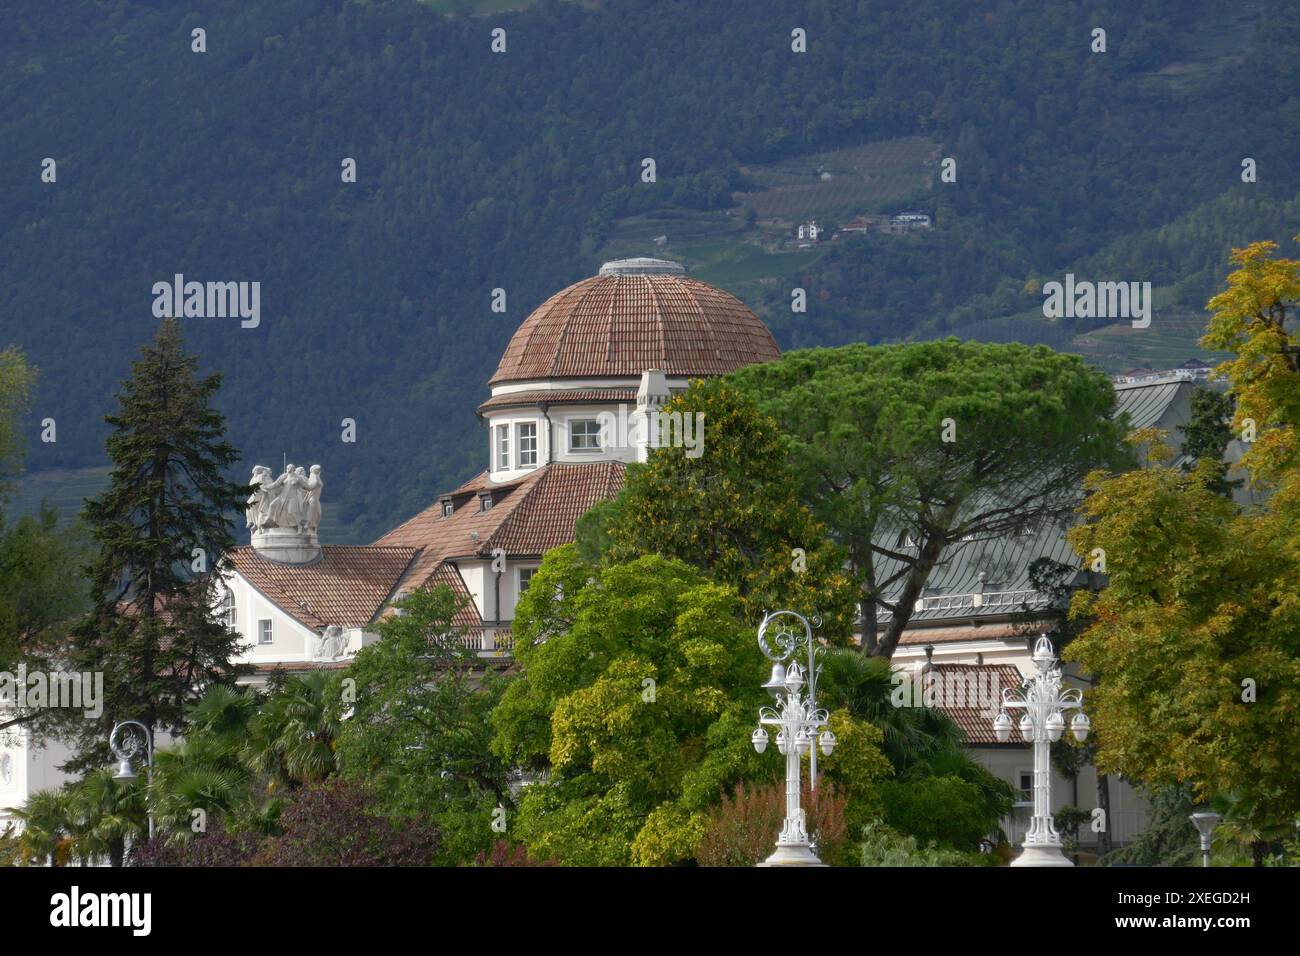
(217, 847)
(742, 830)
(505, 853)
(943, 810)
(332, 824)
(326, 824)
(883, 846)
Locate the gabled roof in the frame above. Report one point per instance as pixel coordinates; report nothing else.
(468, 616)
(1153, 403)
(528, 517)
(346, 587)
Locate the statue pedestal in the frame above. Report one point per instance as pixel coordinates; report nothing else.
(286, 545)
(1042, 854)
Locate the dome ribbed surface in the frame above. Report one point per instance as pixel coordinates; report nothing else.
(621, 325)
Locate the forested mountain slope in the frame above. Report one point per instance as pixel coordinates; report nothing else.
(479, 170)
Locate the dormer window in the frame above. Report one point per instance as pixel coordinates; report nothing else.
(448, 507)
(485, 501)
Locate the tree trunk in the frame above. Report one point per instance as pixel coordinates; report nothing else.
(1258, 852)
(912, 588)
(1104, 843)
(870, 625)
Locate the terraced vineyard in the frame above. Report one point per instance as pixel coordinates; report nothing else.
(861, 179)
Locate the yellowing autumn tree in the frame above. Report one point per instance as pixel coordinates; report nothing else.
(1198, 628)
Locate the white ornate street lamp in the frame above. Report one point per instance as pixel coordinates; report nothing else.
(124, 752)
(799, 719)
(1044, 705)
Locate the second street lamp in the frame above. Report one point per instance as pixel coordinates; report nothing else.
(1044, 705)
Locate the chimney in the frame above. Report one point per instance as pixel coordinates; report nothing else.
(651, 396)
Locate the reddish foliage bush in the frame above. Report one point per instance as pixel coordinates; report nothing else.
(742, 830)
(505, 853)
(327, 824)
(214, 848)
(331, 824)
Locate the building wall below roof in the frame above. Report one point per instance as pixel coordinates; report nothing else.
(1129, 812)
(554, 444)
(292, 641)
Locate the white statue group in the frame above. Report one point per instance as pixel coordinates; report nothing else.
(291, 501)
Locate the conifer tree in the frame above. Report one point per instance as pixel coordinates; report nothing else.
(162, 529)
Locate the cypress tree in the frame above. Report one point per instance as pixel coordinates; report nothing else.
(163, 529)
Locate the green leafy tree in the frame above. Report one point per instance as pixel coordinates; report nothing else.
(420, 729)
(162, 529)
(213, 768)
(17, 378)
(1170, 837)
(935, 442)
(1207, 434)
(639, 687)
(41, 594)
(39, 598)
(293, 735)
(49, 824)
(1198, 621)
(733, 512)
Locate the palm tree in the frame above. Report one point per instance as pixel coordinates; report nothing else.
(863, 685)
(291, 739)
(107, 812)
(49, 821)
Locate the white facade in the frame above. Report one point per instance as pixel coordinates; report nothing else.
(26, 768)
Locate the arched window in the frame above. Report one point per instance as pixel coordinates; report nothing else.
(229, 615)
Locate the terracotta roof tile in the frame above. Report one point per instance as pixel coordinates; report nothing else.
(347, 586)
(528, 517)
(547, 513)
(975, 720)
(468, 616)
(621, 325)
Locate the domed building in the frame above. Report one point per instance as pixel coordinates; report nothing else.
(594, 355)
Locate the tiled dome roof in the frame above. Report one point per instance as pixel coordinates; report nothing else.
(637, 314)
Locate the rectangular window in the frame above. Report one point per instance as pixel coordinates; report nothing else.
(265, 632)
(528, 445)
(1026, 786)
(525, 578)
(503, 448)
(584, 434)
(447, 509)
